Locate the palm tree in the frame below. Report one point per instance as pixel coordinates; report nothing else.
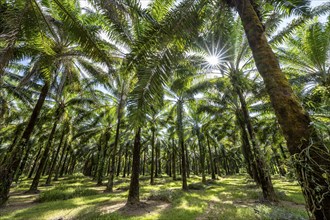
(145, 58)
(44, 48)
(121, 95)
(294, 120)
(64, 101)
(155, 119)
(198, 122)
(306, 59)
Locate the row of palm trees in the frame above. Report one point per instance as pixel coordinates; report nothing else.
(78, 100)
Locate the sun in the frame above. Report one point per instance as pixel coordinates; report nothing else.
(212, 60)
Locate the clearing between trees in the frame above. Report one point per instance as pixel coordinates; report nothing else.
(229, 197)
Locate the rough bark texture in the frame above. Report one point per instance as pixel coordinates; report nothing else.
(261, 166)
(134, 188)
(310, 156)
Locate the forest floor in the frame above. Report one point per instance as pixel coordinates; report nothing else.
(230, 197)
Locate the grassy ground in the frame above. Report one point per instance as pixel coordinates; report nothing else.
(232, 197)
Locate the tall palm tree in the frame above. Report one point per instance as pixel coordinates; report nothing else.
(123, 87)
(63, 102)
(198, 121)
(294, 120)
(48, 47)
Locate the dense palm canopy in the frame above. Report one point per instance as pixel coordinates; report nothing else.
(178, 88)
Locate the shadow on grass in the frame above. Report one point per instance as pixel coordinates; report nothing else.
(232, 197)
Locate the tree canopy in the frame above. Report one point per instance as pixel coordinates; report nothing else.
(176, 88)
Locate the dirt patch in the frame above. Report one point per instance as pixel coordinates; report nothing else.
(123, 188)
(292, 205)
(208, 214)
(144, 208)
(246, 203)
(19, 201)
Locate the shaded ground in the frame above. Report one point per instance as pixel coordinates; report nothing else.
(232, 197)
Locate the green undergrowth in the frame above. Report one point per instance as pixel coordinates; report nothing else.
(62, 192)
(231, 197)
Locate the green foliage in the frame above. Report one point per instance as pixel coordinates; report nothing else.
(165, 195)
(196, 186)
(273, 213)
(63, 192)
(228, 198)
(122, 66)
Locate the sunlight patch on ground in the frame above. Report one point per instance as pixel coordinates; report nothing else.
(230, 197)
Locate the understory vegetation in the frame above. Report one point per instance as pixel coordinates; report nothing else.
(230, 197)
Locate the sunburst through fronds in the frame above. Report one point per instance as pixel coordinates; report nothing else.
(214, 54)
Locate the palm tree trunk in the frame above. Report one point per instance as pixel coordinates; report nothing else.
(119, 160)
(10, 165)
(159, 161)
(57, 171)
(23, 162)
(201, 155)
(224, 160)
(247, 151)
(100, 162)
(312, 156)
(181, 144)
(187, 162)
(16, 135)
(129, 165)
(125, 162)
(134, 188)
(68, 164)
(114, 150)
(173, 160)
(216, 160)
(66, 154)
(35, 162)
(144, 162)
(49, 178)
(44, 171)
(261, 165)
(156, 160)
(282, 151)
(211, 160)
(152, 156)
(36, 179)
(169, 164)
(73, 164)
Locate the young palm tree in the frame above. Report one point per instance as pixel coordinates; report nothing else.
(307, 58)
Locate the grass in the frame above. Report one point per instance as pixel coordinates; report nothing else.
(232, 197)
